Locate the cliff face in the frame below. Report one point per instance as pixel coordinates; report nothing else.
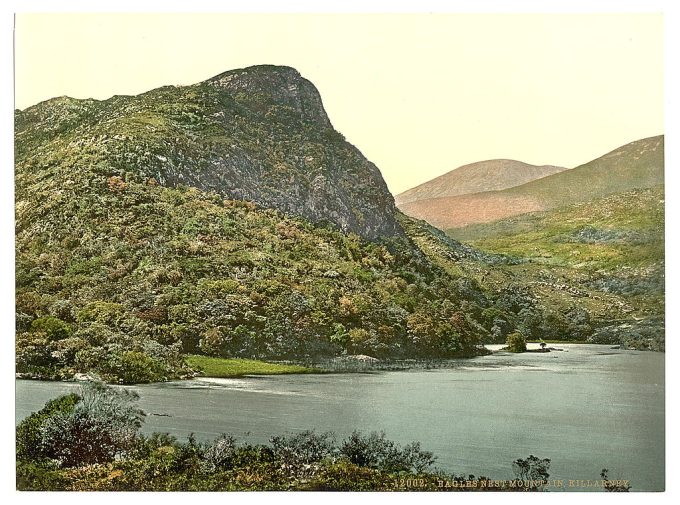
(258, 134)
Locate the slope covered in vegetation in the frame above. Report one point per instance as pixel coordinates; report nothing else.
(184, 221)
(259, 134)
(610, 246)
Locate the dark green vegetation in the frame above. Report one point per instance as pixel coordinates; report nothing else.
(124, 282)
(612, 247)
(91, 442)
(516, 342)
(222, 367)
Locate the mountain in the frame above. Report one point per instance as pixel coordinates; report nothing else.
(259, 134)
(477, 177)
(225, 218)
(614, 245)
(229, 219)
(637, 165)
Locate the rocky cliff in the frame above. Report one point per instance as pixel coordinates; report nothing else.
(259, 134)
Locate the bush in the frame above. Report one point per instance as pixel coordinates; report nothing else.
(100, 426)
(32, 354)
(29, 432)
(133, 367)
(532, 468)
(376, 451)
(516, 342)
(54, 328)
(304, 448)
(102, 312)
(221, 453)
(37, 477)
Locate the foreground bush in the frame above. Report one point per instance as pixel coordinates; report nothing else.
(95, 426)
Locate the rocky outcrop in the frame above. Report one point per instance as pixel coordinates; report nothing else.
(259, 134)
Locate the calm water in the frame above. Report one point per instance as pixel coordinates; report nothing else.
(586, 408)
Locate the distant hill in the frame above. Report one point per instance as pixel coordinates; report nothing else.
(637, 165)
(490, 175)
(613, 245)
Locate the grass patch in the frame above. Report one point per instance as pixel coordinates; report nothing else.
(237, 367)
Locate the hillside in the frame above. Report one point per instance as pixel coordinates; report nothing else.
(133, 252)
(258, 134)
(490, 175)
(614, 245)
(637, 165)
(184, 221)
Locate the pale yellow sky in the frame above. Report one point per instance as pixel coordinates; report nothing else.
(418, 94)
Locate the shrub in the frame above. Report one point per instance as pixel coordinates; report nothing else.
(133, 367)
(54, 328)
(303, 449)
(116, 183)
(100, 426)
(375, 451)
(38, 477)
(516, 342)
(32, 353)
(102, 312)
(29, 432)
(221, 453)
(532, 468)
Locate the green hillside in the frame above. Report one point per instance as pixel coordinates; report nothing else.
(612, 245)
(122, 269)
(229, 219)
(639, 164)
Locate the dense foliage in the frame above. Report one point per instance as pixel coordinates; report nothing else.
(516, 342)
(124, 282)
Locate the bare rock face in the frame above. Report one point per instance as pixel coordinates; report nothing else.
(259, 134)
(272, 86)
(297, 163)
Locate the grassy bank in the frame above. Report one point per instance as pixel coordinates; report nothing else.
(223, 367)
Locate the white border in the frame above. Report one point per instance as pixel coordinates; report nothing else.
(672, 83)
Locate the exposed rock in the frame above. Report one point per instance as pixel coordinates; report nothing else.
(259, 134)
(361, 358)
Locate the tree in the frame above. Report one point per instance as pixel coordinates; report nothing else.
(516, 342)
(531, 469)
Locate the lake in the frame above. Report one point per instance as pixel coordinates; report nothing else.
(586, 408)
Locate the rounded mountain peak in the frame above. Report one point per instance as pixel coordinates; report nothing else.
(273, 85)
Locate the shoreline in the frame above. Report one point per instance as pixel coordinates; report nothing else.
(242, 367)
